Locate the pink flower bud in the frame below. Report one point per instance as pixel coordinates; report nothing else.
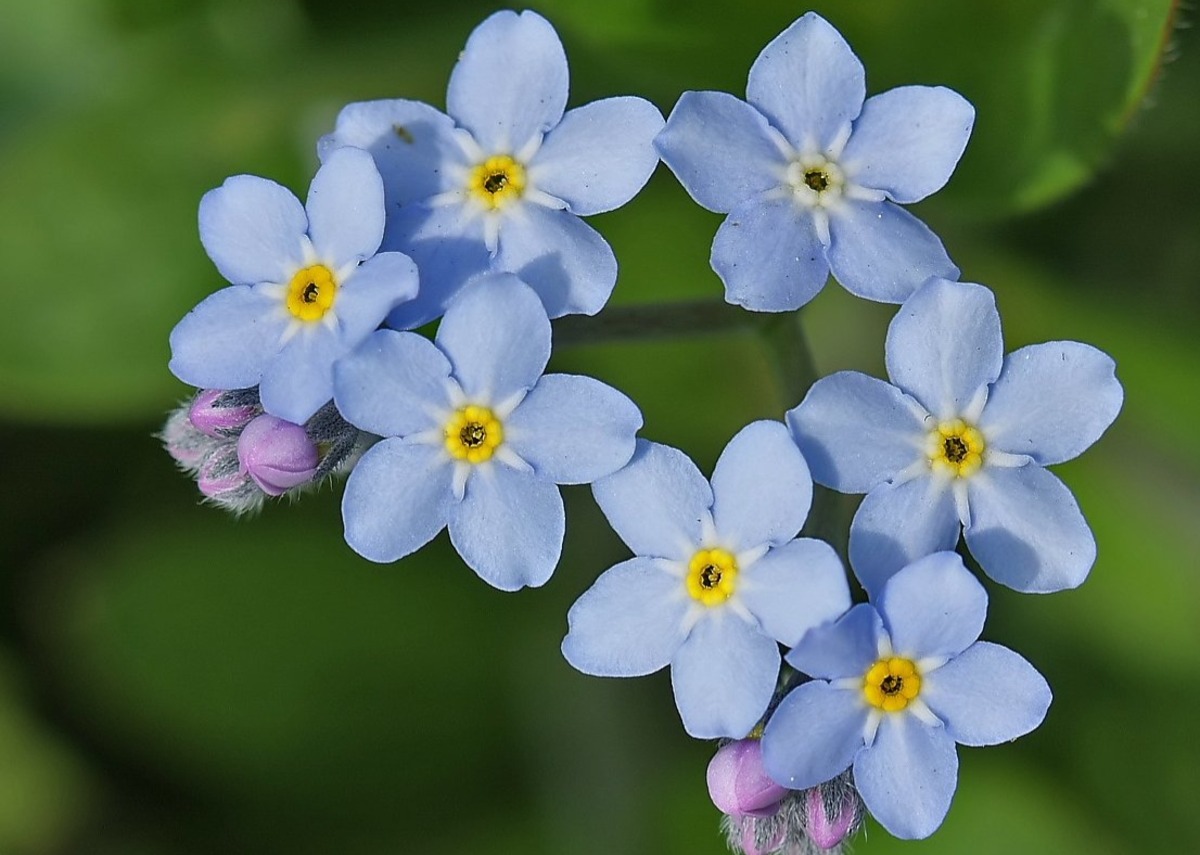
(218, 475)
(824, 830)
(277, 455)
(750, 844)
(738, 784)
(213, 420)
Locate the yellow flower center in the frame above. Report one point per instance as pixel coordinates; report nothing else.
(814, 180)
(711, 576)
(473, 434)
(497, 181)
(955, 448)
(891, 683)
(311, 293)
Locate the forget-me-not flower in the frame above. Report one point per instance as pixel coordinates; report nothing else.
(962, 436)
(718, 578)
(477, 439)
(897, 684)
(308, 286)
(502, 181)
(812, 178)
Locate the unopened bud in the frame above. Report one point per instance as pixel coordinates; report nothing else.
(212, 414)
(219, 475)
(276, 454)
(738, 784)
(830, 816)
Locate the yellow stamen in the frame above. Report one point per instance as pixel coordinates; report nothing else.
(891, 683)
(311, 293)
(497, 181)
(955, 448)
(473, 434)
(711, 576)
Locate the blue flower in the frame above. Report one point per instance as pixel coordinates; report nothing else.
(810, 174)
(477, 438)
(719, 577)
(962, 437)
(502, 181)
(896, 685)
(308, 286)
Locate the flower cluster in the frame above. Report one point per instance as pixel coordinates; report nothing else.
(310, 364)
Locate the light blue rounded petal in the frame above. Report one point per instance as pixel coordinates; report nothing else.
(944, 345)
(808, 82)
(1027, 531)
(657, 502)
(393, 384)
(497, 336)
(721, 150)
(856, 431)
(881, 252)
(299, 380)
(227, 340)
(723, 676)
(629, 623)
(1052, 401)
(908, 141)
(573, 429)
(896, 525)
(510, 82)
(761, 488)
(846, 648)
(448, 249)
(600, 155)
(794, 588)
(987, 695)
(345, 208)
(565, 260)
(908, 776)
(813, 735)
(371, 292)
(397, 499)
(509, 527)
(253, 230)
(933, 607)
(768, 255)
(411, 142)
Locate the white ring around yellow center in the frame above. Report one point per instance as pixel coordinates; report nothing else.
(712, 576)
(890, 684)
(497, 181)
(955, 448)
(815, 181)
(473, 434)
(311, 293)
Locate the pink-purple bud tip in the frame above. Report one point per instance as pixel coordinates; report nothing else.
(213, 420)
(738, 784)
(213, 479)
(826, 831)
(278, 455)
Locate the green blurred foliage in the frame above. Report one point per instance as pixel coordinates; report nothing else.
(176, 682)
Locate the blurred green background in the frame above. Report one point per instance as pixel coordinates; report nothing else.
(174, 681)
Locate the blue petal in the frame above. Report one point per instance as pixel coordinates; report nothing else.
(510, 82)
(808, 82)
(299, 380)
(393, 384)
(933, 607)
(908, 141)
(1052, 401)
(412, 143)
(227, 340)
(573, 430)
(856, 431)
(944, 345)
(908, 776)
(881, 252)
(895, 526)
(253, 230)
(768, 255)
(657, 502)
(721, 149)
(1027, 531)
(497, 336)
(509, 527)
(376, 287)
(629, 623)
(843, 649)
(397, 499)
(600, 155)
(794, 588)
(813, 735)
(565, 260)
(987, 695)
(723, 676)
(345, 208)
(761, 488)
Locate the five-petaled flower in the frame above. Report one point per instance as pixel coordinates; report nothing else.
(962, 437)
(810, 175)
(501, 182)
(718, 578)
(476, 437)
(896, 685)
